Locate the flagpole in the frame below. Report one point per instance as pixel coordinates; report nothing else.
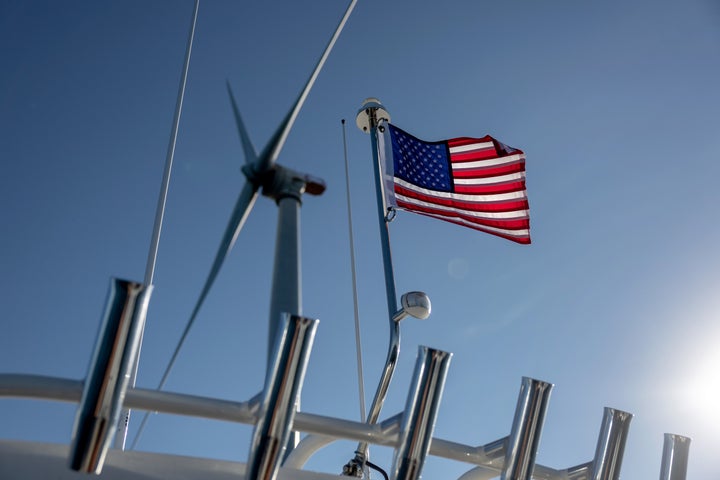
(370, 119)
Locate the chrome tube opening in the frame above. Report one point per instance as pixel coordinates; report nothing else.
(280, 397)
(420, 413)
(526, 429)
(106, 383)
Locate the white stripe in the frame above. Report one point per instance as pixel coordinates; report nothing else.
(490, 162)
(490, 180)
(471, 147)
(510, 233)
(512, 215)
(497, 197)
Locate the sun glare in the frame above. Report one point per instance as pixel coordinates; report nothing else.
(695, 359)
(701, 392)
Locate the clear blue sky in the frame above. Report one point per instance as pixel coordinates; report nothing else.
(615, 302)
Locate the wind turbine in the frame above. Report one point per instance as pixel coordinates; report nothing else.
(286, 187)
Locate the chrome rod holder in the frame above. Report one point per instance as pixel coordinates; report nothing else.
(421, 411)
(526, 429)
(611, 445)
(281, 395)
(116, 351)
(676, 449)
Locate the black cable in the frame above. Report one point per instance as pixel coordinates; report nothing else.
(375, 467)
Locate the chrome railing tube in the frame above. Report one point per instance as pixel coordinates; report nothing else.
(611, 445)
(420, 413)
(676, 450)
(283, 383)
(526, 429)
(106, 383)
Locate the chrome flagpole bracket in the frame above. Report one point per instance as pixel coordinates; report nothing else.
(108, 376)
(370, 118)
(367, 120)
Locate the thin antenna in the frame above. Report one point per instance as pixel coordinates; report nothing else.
(162, 199)
(263, 165)
(121, 435)
(358, 342)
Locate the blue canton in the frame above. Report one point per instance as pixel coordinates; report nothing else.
(424, 164)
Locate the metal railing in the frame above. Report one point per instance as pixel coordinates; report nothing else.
(486, 461)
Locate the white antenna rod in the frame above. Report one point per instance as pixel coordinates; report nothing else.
(358, 342)
(162, 199)
(121, 435)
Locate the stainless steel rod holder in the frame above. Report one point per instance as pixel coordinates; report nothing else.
(611, 445)
(676, 449)
(281, 394)
(116, 350)
(420, 413)
(526, 429)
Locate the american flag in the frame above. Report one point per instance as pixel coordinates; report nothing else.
(475, 182)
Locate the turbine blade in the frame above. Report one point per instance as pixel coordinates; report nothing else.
(248, 148)
(270, 153)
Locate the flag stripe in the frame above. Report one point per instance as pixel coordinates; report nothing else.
(508, 206)
(515, 228)
(490, 180)
(490, 189)
(502, 206)
(505, 160)
(517, 214)
(472, 151)
(490, 171)
(519, 236)
(474, 146)
(511, 222)
(493, 198)
(459, 141)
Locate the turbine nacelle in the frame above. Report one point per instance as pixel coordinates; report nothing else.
(278, 182)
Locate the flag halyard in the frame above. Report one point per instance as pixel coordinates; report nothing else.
(474, 182)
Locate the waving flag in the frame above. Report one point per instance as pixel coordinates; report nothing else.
(475, 182)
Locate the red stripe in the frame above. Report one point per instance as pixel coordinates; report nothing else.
(524, 240)
(507, 224)
(500, 206)
(493, 171)
(484, 154)
(491, 189)
(460, 141)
